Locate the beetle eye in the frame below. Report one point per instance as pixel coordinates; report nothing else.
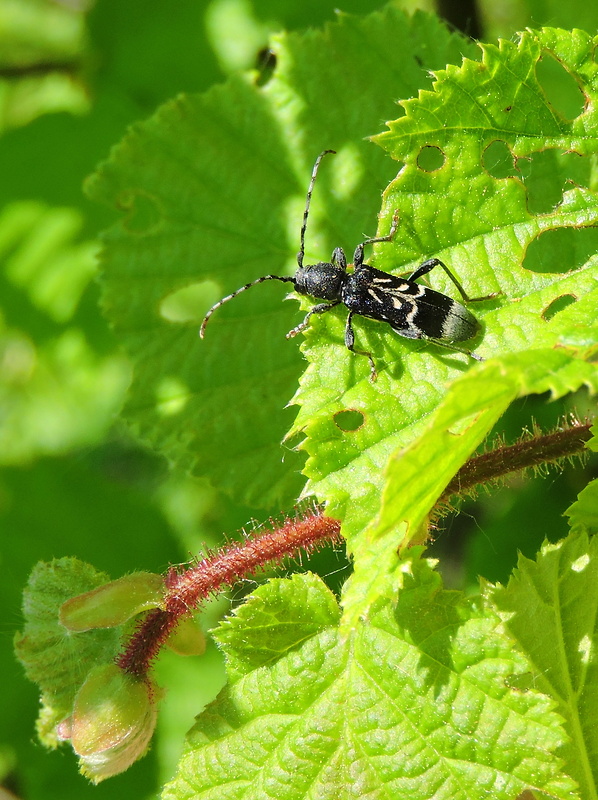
(300, 280)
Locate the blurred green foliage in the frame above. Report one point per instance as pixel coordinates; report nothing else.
(73, 482)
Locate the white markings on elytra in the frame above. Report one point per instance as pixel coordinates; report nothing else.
(411, 315)
(376, 295)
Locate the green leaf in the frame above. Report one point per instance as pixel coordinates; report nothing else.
(212, 189)
(406, 705)
(416, 476)
(54, 658)
(482, 227)
(281, 619)
(550, 607)
(583, 514)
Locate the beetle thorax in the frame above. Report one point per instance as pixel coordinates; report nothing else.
(323, 280)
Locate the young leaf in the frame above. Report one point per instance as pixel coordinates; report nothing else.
(113, 603)
(413, 703)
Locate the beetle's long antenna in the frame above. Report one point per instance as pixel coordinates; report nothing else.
(314, 173)
(238, 291)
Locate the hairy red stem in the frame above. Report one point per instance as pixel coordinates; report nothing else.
(186, 590)
(524, 454)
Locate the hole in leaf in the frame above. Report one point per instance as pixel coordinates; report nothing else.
(560, 87)
(498, 160)
(430, 158)
(546, 174)
(558, 304)
(190, 303)
(235, 32)
(561, 250)
(349, 420)
(144, 213)
(265, 65)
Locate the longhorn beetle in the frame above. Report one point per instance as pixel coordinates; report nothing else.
(411, 310)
